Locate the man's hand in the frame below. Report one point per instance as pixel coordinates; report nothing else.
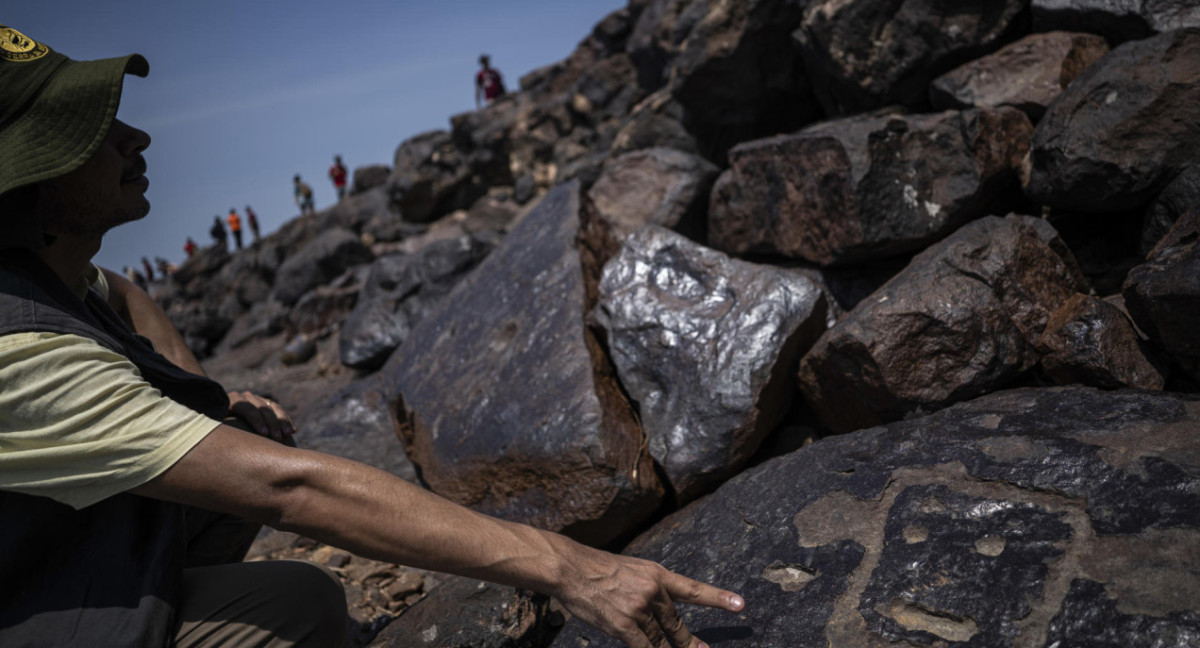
(634, 600)
(265, 416)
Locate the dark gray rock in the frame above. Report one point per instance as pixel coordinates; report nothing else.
(1027, 75)
(868, 186)
(370, 177)
(1032, 517)
(505, 401)
(1163, 294)
(1090, 341)
(961, 320)
(319, 262)
(1124, 129)
(355, 423)
(399, 291)
(324, 306)
(206, 262)
(431, 177)
(707, 347)
(467, 613)
(656, 186)
(1116, 20)
(866, 54)
(1177, 199)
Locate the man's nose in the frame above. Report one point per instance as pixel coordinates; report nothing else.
(131, 141)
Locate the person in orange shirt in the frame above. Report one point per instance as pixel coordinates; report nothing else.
(235, 226)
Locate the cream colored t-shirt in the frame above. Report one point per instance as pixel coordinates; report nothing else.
(78, 423)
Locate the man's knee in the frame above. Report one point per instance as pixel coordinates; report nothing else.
(273, 603)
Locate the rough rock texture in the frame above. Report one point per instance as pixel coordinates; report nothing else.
(656, 186)
(961, 320)
(864, 187)
(1163, 294)
(1090, 341)
(1124, 129)
(707, 348)
(730, 64)
(399, 291)
(321, 260)
(865, 54)
(467, 613)
(1023, 519)
(1177, 199)
(504, 400)
(355, 423)
(431, 177)
(1028, 74)
(1116, 20)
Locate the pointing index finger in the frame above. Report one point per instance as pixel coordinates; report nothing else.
(686, 590)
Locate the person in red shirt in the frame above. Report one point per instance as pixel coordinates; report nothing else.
(252, 220)
(190, 247)
(337, 173)
(489, 85)
(235, 226)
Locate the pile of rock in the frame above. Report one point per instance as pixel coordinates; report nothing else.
(718, 231)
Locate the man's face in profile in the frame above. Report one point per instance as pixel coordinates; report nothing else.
(107, 190)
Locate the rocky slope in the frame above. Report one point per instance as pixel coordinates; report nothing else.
(882, 313)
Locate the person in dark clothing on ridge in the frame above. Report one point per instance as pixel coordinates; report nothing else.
(128, 496)
(489, 85)
(252, 220)
(217, 232)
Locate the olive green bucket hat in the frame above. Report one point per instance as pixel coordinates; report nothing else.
(54, 113)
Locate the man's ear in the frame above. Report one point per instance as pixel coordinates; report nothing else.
(19, 216)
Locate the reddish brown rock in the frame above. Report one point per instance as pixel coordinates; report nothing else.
(1028, 74)
(961, 320)
(656, 186)
(866, 187)
(505, 401)
(1089, 341)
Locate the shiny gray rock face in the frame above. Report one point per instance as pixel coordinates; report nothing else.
(706, 345)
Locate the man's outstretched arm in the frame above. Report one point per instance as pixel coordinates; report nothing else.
(380, 516)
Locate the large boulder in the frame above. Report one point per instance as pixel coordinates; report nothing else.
(1116, 20)
(868, 186)
(962, 319)
(1032, 517)
(432, 176)
(320, 261)
(656, 186)
(399, 291)
(354, 423)
(1163, 294)
(505, 401)
(1124, 129)
(865, 54)
(1091, 341)
(1028, 74)
(707, 347)
(731, 65)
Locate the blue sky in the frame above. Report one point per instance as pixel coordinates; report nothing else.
(243, 95)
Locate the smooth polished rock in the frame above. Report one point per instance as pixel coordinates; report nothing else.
(707, 347)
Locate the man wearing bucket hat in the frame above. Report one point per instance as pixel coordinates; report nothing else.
(119, 482)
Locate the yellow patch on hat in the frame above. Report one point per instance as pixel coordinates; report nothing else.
(17, 47)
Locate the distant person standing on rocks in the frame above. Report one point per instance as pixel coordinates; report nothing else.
(252, 220)
(235, 226)
(489, 85)
(148, 268)
(217, 232)
(337, 173)
(304, 196)
(189, 248)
